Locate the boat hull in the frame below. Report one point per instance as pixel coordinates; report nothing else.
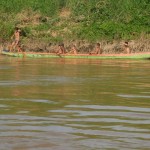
(81, 56)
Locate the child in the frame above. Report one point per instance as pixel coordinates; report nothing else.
(97, 50)
(73, 50)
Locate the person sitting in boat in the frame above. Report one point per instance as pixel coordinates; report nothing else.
(61, 49)
(126, 47)
(97, 49)
(16, 37)
(73, 50)
(19, 48)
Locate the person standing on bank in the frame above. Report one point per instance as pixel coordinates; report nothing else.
(126, 47)
(16, 39)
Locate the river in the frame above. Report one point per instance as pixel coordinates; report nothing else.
(63, 104)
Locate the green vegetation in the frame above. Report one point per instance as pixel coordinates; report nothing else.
(90, 20)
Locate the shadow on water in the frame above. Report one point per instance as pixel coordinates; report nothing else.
(74, 104)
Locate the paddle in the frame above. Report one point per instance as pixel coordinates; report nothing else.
(59, 54)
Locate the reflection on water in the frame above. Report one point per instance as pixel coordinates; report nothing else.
(48, 104)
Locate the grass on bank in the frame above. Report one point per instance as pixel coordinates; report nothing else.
(59, 20)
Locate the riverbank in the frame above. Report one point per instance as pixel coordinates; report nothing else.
(83, 46)
(45, 25)
(108, 47)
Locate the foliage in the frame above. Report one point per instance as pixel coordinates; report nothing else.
(89, 19)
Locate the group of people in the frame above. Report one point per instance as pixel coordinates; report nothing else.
(61, 49)
(97, 50)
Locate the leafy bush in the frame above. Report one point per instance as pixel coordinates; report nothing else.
(90, 19)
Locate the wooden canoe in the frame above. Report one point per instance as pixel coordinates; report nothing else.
(143, 55)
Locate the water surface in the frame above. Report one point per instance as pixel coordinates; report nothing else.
(48, 104)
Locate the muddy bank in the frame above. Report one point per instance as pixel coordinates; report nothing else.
(113, 47)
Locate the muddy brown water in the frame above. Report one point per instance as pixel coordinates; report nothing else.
(77, 104)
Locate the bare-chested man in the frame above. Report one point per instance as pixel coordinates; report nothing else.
(126, 47)
(61, 49)
(16, 39)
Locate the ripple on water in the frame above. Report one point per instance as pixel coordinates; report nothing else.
(29, 100)
(5, 67)
(41, 80)
(15, 83)
(39, 141)
(117, 127)
(133, 96)
(3, 106)
(105, 107)
(125, 143)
